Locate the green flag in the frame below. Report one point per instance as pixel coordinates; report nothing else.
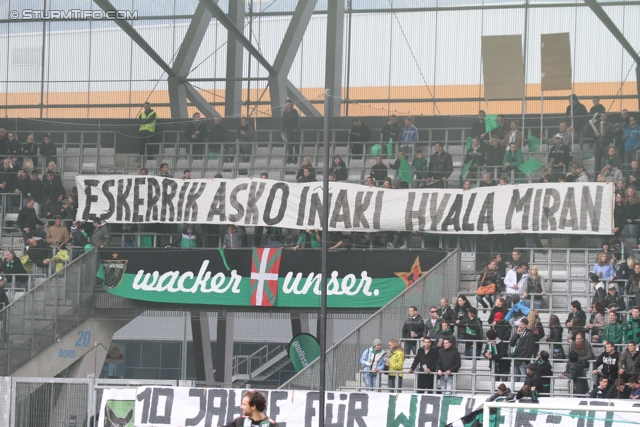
(530, 166)
(390, 148)
(469, 143)
(490, 122)
(534, 143)
(465, 170)
(404, 172)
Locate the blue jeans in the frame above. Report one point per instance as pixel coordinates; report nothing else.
(410, 346)
(446, 383)
(391, 383)
(370, 380)
(481, 299)
(520, 370)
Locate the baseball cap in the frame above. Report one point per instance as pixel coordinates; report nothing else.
(559, 136)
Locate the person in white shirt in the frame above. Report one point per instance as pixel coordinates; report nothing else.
(515, 283)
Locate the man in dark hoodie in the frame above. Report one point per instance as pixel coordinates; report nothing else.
(619, 391)
(609, 360)
(601, 391)
(525, 348)
(412, 330)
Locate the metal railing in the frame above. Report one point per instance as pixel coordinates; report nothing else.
(247, 364)
(48, 311)
(342, 359)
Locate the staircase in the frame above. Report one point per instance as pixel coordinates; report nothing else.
(259, 365)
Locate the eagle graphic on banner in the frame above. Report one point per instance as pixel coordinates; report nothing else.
(265, 268)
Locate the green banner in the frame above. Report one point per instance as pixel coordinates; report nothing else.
(303, 349)
(265, 277)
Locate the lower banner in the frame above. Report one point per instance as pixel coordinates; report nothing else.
(200, 407)
(267, 277)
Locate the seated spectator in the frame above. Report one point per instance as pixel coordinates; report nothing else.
(578, 173)
(52, 169)
(387, 183)
(582, 347)
(526, 395)
(28, 221)
(488, 284)
(632, 327)
(577, 319)
(499, 306)
(620, 390)
(613, 331)
(575, 371)
(12, 265)
(395, 364)
(48, 149)
(449, 362)
(306, 164)
(611, 172)
(502, 395)
(339, 169)
(600, 392)
(609, 360)
(369, 182)
(555, 336)
(603, 269)
(494, 153)
(307, 176)
(487, 181)
(57, 234)
(424, 365)
(378, 171)
(511, 160)
(634, 385)
(100, 238)
(503, 180)
(234, 238)
(629, 364)
(596, 321)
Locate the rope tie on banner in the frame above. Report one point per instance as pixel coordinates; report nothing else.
(224, 259)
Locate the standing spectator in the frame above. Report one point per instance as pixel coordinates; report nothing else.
(479, 127)
(599, 293)
(524, 343)
(461, 310)
(164, 171)
(244, 140)
(535, 326)
(8, 185)
(619, 215)
(500, 306)
(409, 136)
(101, 236)
(446, 330)
(555, 336)
(432, 325)
(440, 167)
(472, 332)
(596, 321)
(234, 238)
(3, 139)
(502, 327)
(186, 239)
(391, 132)
(13, 148)
(196, 133)
(412, 330)
(577, 320)
(613, 331)
(291, 131)
(631, 138)
(533, 380)
(449, 362)
(497, 351)
(30, 150)
(535, 286)
(309, 239)
(378, 171)
(306, 164)
(632, 287)
(445, 312)
(603, 133)
(358, 137)
(372, 361)
(395, 364)
(575, 371)
(424, 365)
(147, 119)
(544, 372)
(514, 136)
(218, 135)
(511, 160)
(577, 112)
(420, 168)
(632, 175)
(629, 361)
(632, 327)
(494, 154)
(609, 359)
(49, 150)
(502, 129)
(597, 107)
(582, 347)
(515, 283)
(28, 222)
(475, 155)
(578, 173)
(57, 234)
(620, 270)
(559, 157)
(632, 205)
(488, 284)
(611, 170)
(339, 169)
(36, 190)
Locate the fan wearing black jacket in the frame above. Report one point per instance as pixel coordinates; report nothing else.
(497, 350)
(424, 364)
(525, 348)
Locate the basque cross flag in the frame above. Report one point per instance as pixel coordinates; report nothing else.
(265, 267)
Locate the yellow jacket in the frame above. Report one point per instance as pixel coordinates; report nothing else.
(396, 363)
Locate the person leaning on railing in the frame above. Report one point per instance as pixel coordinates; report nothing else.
(394, 363)
(12, 265)
(372, 361)
(424, 364)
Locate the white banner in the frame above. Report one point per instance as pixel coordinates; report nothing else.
(182, 406)
(578, 208)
